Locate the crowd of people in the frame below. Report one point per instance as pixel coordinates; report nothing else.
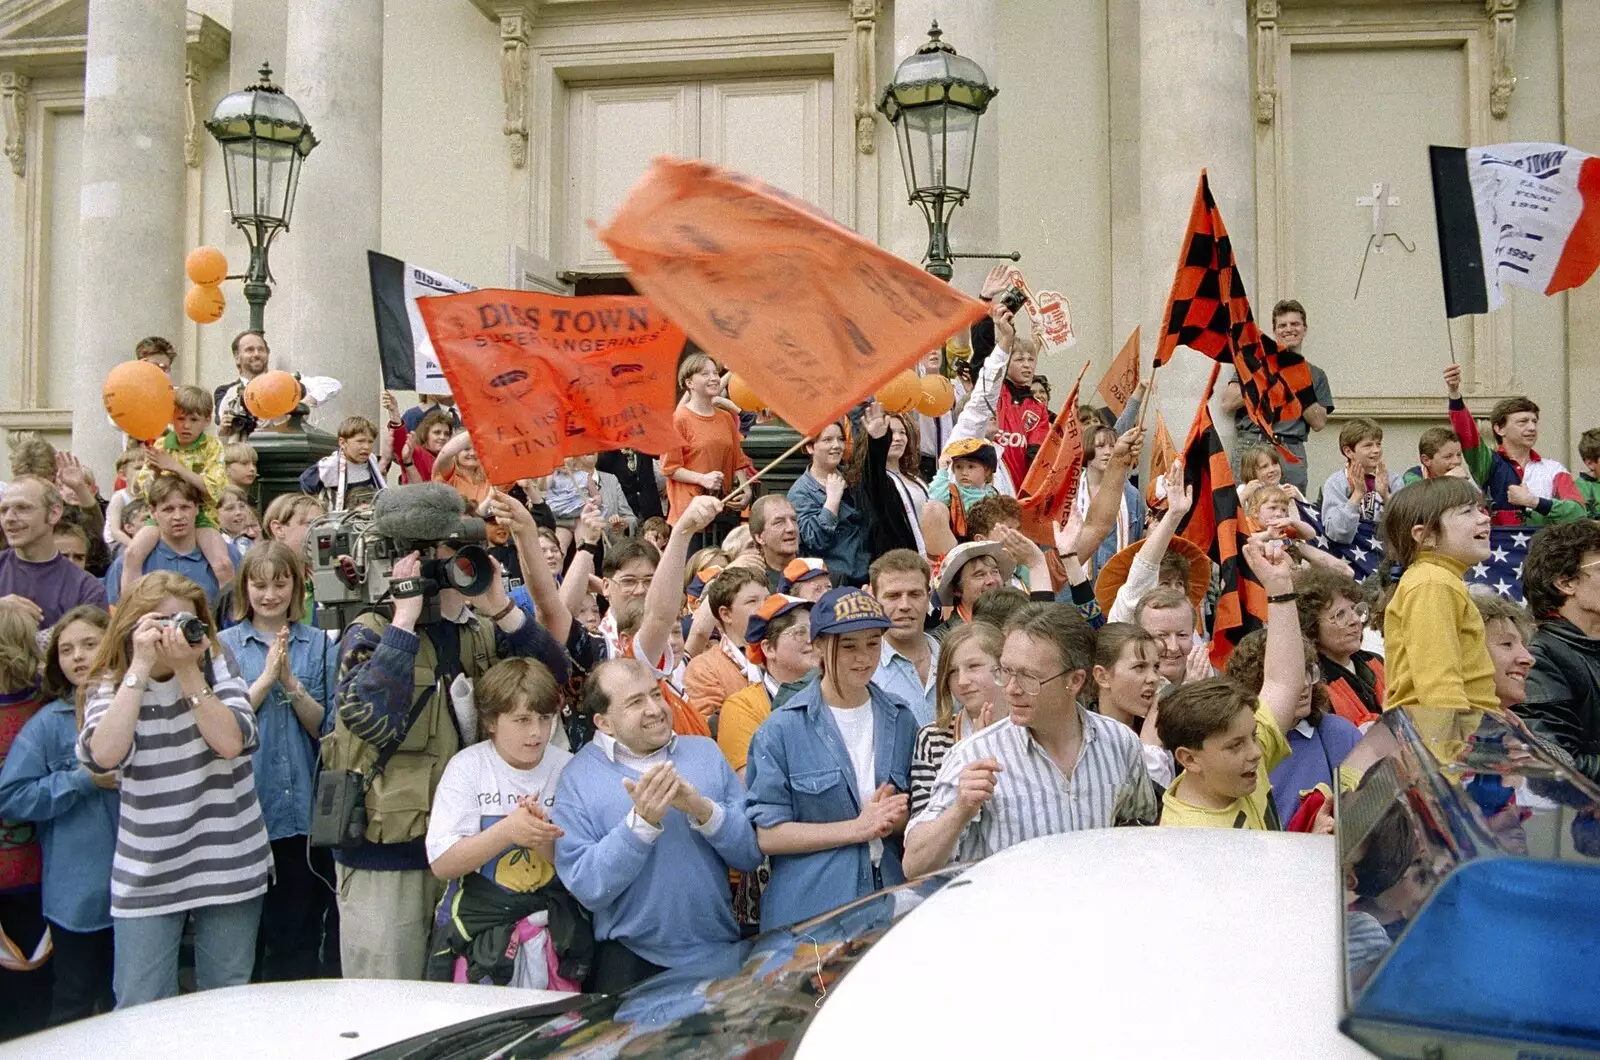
(686, 710)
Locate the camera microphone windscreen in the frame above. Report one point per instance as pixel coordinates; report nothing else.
(424, 511)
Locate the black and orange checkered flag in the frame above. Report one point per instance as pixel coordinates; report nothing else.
(1209, 312)
(1216, 525)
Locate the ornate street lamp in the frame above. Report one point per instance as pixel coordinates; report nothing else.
(264, 139)
(934, 103)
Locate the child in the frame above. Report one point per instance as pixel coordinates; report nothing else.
(712, 460)
(25, 978)
(128, 464)
(134, 515)
(1433, 634)
(1225, 737)
(719, 672)
(76, 816)
(240, 459)
(965, 477)
(188, 452)
(1587, 482)
(419, 448)
(1260, 465)
(1273, 509)
(1355, 494)
(240, 523)
(1523, 487)
(656, 530)
(491, 835)
(1126, 680)
(156, 350)
(1438, 453)
(350, 477)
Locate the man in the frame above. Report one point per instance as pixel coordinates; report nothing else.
(426, 403)
(1289, 329)
(33, 572)
(73, 543)
(642, 848)
(174, 504)
(250, 356)
(1561, 582)
(1049, 767)
(636, 473)
(1524, 488)
(1167, 614)
(900, 581)
(776, 529)
(970, 570)
(398, 688)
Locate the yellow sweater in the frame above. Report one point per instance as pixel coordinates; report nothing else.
(1434, 652)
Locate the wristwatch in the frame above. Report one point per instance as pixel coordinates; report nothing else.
(133, 680)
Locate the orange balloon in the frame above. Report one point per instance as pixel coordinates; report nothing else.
(206, 266)
(901, 393)
(138, 398)
(938, 396)
(204, 302)
(740, 394)
(272, 394)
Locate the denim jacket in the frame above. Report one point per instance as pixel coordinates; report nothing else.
(840, 540)
(43, 782)
(285, 763)
(798, 769)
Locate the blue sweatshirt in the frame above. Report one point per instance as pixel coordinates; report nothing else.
(43, 782)
(666, 900)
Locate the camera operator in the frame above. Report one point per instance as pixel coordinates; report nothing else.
(405, 684)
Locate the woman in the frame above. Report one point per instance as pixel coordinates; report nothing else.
(290, 669)
(420, 448)
(711, 460)
(174, 721)
(1319, 740)
(833, 834)
(1126, 679)
(1333, 616)
(833, 520)
(76, 815)
(967, 685)
(893, 445)
(1130, 515)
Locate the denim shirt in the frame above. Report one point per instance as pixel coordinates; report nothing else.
(798, 769)
(285, 763)
(43, 782)
(839, 540)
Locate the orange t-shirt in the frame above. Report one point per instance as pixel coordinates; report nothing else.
(711, 443)
(474, 491)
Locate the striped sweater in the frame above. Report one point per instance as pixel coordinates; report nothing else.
(191, 832)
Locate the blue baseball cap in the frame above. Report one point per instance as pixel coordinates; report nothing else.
(846, 610)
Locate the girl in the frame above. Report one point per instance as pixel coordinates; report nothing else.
(240, 523)
(834, 835)
(969, 699)
(290, 669)
(171, 717)
(76, 815)
(833, 519)
(420, 448)
(1260, 465)
(1435, 656)
(24, 939)
(711, 460)
(491, 836)
(1126, 680)
(1130, 515)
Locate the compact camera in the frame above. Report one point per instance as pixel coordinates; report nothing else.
(187, 623)
(1013, 299)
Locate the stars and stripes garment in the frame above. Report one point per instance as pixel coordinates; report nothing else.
(1364, 552)
(1502, 571)
(1209, 312)
(1052, 478)
(1214, 524)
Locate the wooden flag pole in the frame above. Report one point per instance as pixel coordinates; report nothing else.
(780, 458)
(1149, 397)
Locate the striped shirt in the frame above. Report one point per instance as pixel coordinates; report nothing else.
(1032, 797)
(191, 832)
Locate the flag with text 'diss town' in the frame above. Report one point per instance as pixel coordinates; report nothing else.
(811, 315)
(541, 377)
(1209, 312)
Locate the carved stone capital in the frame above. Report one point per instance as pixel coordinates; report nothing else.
(1503, 54)
(1266, 26)
(865, 15)
(14, 103)
(206, 43)
(516, 27)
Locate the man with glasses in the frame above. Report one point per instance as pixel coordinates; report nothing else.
(1049, 767)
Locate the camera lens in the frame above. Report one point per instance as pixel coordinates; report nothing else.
(192, 628)
(469, 572)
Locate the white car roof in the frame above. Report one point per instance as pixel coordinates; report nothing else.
(1127, 942)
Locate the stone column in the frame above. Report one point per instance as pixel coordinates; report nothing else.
(1580, 122)
(1195, 113)
(335, 73)
(130, 271)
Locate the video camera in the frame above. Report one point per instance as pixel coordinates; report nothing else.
(353, 553)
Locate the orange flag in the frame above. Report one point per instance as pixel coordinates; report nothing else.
(541, 377)
(811, 315)
(1052, 478)
(1162, 454)
(1117, 385)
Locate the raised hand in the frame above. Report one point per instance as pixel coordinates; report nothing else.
(1271, 565)
(875, 420)
(591, 524)
(1452, 380)
(1129, 446)
(701, 513)
(1017, 545)
(506, 511)
(1005, 327)
(1197, 667)
(1180, 497)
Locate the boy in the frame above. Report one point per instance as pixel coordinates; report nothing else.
(806, 578)
(1439, 451)
(656, 530)
(1355, 494)
(189, 453)
(240, 461)
(965, 480)
(158, 351)
(1226, 739)
(1588, 484)
(175, 507)
(719, 672)
(780, 633)
(350, 477)
(1524, 488)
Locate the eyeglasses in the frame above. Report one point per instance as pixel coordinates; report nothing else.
(1344, 614)
(628, 584)
(1026, 683)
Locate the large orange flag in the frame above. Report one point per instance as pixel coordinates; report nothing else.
(1122, 376)
(811, 315)
(541, 377)
(1052, 478)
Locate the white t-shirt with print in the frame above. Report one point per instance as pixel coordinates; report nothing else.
(477, 790)
(855, 725)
